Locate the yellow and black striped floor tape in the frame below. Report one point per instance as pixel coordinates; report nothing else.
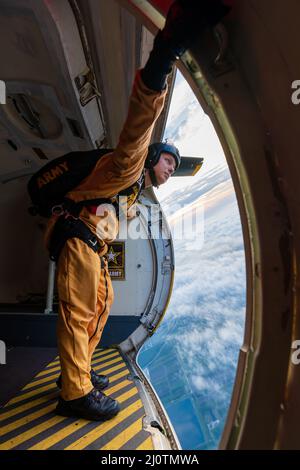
(28, 421)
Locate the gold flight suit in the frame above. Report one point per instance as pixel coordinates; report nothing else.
(84, 289)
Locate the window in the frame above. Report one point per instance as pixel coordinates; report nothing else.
(191, 360)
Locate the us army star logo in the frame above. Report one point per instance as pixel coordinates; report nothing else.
(113, 255)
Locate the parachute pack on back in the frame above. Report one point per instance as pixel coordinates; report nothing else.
(49, 186)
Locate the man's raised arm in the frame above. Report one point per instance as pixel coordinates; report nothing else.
(185, 21)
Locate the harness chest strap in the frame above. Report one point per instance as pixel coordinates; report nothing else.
(69, 225)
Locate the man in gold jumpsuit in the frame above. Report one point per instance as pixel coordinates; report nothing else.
(83, 281)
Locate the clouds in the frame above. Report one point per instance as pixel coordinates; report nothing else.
(182, 198)
(193, 133)
(203, 328)
(204, 324)
(187, 210)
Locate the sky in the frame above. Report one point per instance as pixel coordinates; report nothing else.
(203, 328)
(194, 135)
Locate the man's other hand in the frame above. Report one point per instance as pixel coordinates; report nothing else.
(186, 19)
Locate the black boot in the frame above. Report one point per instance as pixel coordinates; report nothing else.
(100, 382)
(95, 406)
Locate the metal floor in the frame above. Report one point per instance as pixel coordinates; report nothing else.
(28, 421)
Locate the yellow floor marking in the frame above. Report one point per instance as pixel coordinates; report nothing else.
(118, 387)
(27, 406)
(113, 378)
(51, 387)
(112, 369)
(49, 371)
(73, 427)
(109, 363)
(54, 377)
(100, 365)
(26, 419)
(33, 403)
(32, 385)
(57, 419)
(130, 393)
(104, 359)
(91, 436)
(146, 445)
(101, 352)
(95, 360)
(124, 436)
(31, 433)
(95, 355)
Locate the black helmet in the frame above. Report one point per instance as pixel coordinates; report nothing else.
(155, 150)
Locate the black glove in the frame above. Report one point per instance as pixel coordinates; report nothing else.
(185, 21)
